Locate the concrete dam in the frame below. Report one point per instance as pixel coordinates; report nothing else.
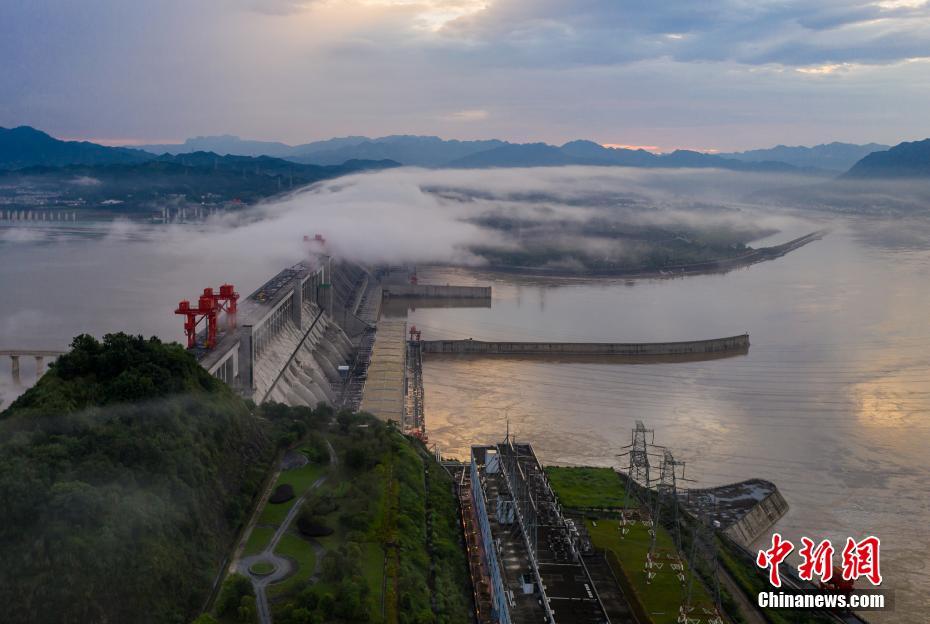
(295, 332)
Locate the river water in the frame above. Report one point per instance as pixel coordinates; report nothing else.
(832, 402)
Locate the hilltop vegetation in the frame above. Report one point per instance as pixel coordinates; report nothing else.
(386, 519)
(124, 475)
(127, 472)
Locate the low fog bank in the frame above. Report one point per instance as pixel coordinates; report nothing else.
(63, 279)
(873, 197)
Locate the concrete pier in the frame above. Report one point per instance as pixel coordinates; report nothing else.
(39, 355)
(477, 347)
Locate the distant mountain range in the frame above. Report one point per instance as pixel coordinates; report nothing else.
(831, 156)
(84, 175)
(418, 151)
(431, 151)
(905, 160)
(591, 153)
(24, 147)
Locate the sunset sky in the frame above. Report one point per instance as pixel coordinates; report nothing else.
(709, 74)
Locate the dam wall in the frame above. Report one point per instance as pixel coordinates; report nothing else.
(354, 291)
(477, 347)
(290, 342)
(437, 291)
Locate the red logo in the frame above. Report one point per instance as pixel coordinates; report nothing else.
(860, 559)
(773, 556)
(816, 560)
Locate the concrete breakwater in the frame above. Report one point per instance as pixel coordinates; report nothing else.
(437, 291)
(744, 511)
(736, 344)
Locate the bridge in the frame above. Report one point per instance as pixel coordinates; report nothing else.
(40, 356)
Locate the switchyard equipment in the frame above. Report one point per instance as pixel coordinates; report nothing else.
(530, 566)
(637, 473)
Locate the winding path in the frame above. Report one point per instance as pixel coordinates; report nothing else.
(283, 567)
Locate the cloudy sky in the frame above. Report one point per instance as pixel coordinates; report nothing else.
(708, 74)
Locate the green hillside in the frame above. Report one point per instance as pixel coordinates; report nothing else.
(124, 476)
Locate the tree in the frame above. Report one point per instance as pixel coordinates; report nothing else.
(247, 610)
(235, 587)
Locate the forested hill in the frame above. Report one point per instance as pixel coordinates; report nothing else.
(124, 475)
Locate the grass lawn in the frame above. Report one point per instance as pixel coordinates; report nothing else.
(300, 479)
(261, 567)
(301, 551)
(663, 596)
(258, 539)
(586, 487)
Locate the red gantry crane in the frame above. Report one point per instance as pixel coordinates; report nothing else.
(209, 307)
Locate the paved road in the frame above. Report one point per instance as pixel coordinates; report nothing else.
(282, 566)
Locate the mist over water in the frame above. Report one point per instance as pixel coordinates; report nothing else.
(831, 402)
